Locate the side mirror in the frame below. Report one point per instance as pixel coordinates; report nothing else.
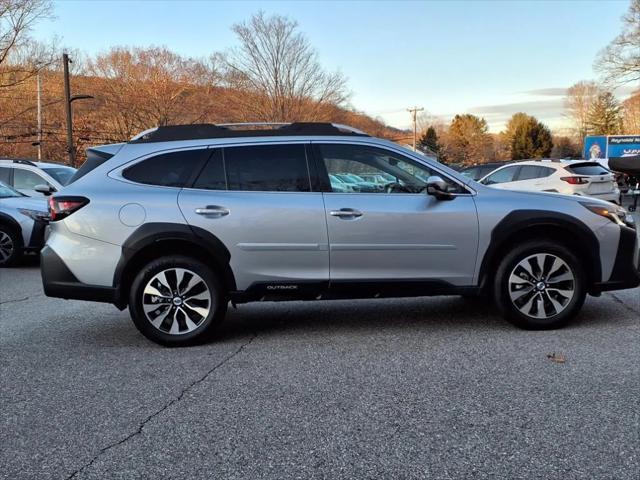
(46, 190)
(437, 187)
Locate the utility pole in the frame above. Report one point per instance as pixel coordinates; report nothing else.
(68, 99)
(414, 112)
(39, 131)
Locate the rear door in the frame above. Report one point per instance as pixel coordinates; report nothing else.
(396, 233)
(257, 199)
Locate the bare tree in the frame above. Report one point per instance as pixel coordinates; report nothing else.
(20, 56)
(578, 104)
(143, 88)
(280, 70)
(620, 60)
(631, 114)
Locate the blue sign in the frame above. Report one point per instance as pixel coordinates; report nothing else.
(595, 148)
(623, 146)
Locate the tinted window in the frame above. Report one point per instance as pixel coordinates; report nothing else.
(362, 169)
(530, 172)
(5, 175)
(501, 176)
(267, 168)
(26, 179)
(212, 176)
(588, 169)
(167, 170)
(62, 175)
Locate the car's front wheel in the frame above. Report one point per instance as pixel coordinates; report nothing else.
(540, 285)
(10, 246)
(176, 301)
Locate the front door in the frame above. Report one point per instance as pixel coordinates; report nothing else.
(387, 227)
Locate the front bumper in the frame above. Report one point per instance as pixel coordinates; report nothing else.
(626, 269)
(58, 281)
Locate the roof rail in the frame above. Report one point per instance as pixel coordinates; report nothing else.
(233, 130)
(24, 162)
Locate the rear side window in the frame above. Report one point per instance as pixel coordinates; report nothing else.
(267, 168)
(172, 169)
(27, 180)
(588, 169)
(530, 172)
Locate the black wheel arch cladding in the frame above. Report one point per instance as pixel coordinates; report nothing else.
(151, 234)
(520, 221)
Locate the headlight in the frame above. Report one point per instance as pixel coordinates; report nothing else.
(614, 213)
(33, 214)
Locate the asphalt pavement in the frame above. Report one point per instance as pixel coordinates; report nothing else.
(438, 388)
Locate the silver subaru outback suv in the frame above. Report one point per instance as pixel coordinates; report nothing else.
(182, 220)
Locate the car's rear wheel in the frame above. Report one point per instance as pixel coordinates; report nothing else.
(10, 246)
(177, 300)
(540, 285)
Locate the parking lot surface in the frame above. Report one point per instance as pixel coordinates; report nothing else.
(410, 388)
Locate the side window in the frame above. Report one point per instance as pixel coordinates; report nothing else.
(529, 172)
(5, 175)
(167, 170)
(212, 176)
(26, 179)
(501, 176)
(267, 168)
(363, 169)
(545, 172)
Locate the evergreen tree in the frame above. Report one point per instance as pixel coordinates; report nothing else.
(428, 142)
(605, 115)
(528, 137)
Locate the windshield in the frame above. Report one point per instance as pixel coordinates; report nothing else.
(62, 175)
(8, 192)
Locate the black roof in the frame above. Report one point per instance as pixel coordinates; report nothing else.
(206, 130)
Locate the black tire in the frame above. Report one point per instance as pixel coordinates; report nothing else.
(502, 289)
(10, 240)
(206, 326)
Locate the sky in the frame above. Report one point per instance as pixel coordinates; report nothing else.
(490, 58)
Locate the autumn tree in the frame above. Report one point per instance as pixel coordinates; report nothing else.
(147, 87)
(578, 103)
(619, 62)
(565, 147)
(278, 67)
(528, 137)
(468, 140)
(631, 114)
(605, 116)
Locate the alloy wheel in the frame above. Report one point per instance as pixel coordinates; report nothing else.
(176, 301)
(6, 247)
(541, 285)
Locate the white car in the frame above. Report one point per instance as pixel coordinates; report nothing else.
(26, 175)
(569, 177)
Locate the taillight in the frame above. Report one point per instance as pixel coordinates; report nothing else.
(62, 207)
(575, 180)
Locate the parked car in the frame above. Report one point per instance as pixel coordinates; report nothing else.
(358, 183)
(339, 185)
(182, 220)
(583, 178)
(476, 172)
(27, 175)
(22, 225)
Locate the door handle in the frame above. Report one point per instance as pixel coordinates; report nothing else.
(346, 213)
(212, 211)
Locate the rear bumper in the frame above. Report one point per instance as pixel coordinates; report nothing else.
(58, 281)
(626, 269)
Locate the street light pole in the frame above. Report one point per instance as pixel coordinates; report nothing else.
(68, 99)
(67, 108)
